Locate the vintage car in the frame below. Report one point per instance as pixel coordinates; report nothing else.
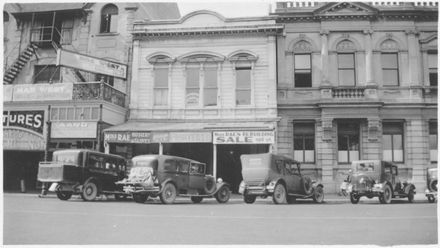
(431, 181)
(268, 174)
(376, 178)
(85, 172)
(171, 176)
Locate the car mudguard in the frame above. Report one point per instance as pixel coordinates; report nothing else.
(408, 187)
(169, 180)
(218, 186)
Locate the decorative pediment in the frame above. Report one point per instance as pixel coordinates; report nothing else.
(302, 47)
(346, 8)
(389, 45)
(429, 43)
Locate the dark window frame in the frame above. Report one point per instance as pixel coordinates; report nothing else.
(108, 14)
(302, 72)
(396, 69)
(392, 134)
(347, 68)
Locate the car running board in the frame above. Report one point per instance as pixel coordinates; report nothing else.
(301, 196)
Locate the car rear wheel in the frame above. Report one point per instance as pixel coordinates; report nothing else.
(140, 198)
(64, 195)
(318, 194)
(279, 194)
(354, 198)
(431, 199)
(168, 194)
(249, 199)
(90, 191)
(411, 196)
(386, 196)
(223, 194)
(196, 199)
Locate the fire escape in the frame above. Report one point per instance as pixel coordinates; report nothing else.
(49, 30)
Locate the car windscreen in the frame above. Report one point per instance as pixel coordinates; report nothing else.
(365, 166)
(67, 157)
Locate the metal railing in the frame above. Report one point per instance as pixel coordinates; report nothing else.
(98, 91)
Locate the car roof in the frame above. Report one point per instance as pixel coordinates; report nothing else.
(87, 150)
(163, 157)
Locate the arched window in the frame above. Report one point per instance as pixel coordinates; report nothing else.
(109, 19)
(161, 72)
(346, 63)
(389, 62)
(243, 63)
(302, 63)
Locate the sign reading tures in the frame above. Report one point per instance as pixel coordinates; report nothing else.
(244, 137)
(91, 64)
(23, 130)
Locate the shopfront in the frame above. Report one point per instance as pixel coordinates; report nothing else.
(220, 150)
(24, 145)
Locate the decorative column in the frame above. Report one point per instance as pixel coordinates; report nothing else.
(413, 56)
(134, 91)
(373, 129)
(327, 128)
(368, 58)
(324, 58)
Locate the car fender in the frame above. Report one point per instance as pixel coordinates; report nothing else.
(316, 184)
(219, 186)
(271, 186)
(95, 180)
(169, 180)
(409, 187)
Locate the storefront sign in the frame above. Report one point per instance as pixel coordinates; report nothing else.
(244, 137)
(18, 139)
(7, 93)
(73, 129)
(42, 92)
(127, 137)
(30, 120)
(91, 64)
(190, 137)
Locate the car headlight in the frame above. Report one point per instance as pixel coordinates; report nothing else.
(219, 180)
(426, 191)
(378, 185)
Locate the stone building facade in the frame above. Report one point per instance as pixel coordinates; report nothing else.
(358, 81)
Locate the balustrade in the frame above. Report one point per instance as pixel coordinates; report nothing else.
(98, 91)
(348, 92)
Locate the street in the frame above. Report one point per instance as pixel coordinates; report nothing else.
(32, 220)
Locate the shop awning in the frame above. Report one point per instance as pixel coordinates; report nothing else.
(189, 126)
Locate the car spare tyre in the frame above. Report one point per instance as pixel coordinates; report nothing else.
(306, 183)
(210, 185)
(433, 185)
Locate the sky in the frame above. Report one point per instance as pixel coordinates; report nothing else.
(228, 8)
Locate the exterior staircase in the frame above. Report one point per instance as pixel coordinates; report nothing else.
(12, 72)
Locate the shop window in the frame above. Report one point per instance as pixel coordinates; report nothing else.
(161, 86)
(54, 114)
(304, 142)
(392, 141)
(110, 80)
(432, 67)
(303, 70)
(70, 113)
(210, 88)
(109, 19)
(348, 142)
(390, 69)
(63, 114)
(433, 142)
(95, 113)
(346, 69)
(192, 86)
(46, 74)
(243, 85)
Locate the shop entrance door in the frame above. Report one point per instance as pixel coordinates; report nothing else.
(229, 164)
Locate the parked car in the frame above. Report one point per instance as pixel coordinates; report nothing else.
(431, 183)
(268, 174)
(376, 178)
(171, 176)
(85, 172)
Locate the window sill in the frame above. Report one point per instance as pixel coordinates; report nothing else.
(107, 34)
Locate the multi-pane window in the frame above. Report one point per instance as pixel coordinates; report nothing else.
(161, 86)
(346, 69)
(433, 141)
(348, 142)
(46, 74)
(303, 70)
(210, 85)
(392, 141)
(432, 67)
(109, 19)
(390, 69)
(192, 86)
(74, 113)
(243, 85)
(66, 32)
(304, 142)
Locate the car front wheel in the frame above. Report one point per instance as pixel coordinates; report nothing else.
(90, 191)
(431, 199)
(386, 196)
(64, 195)
(223, 194)
(354, 198)
(279, 194)
(168, 194)
(318, 194)
(411, 196)
(249, 199)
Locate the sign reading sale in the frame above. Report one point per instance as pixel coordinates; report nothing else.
(244, 137)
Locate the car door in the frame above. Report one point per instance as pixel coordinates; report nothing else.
(296, 178)
(196, 176)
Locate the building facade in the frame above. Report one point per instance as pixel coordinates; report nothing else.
(358, 81)
(65, 78)
(203, 87)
